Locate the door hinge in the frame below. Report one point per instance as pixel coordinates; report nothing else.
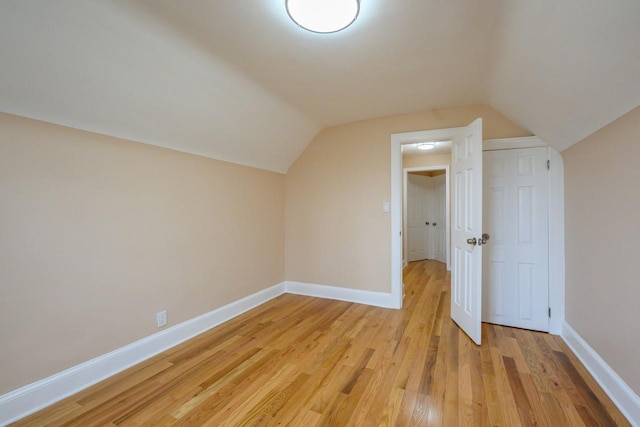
(548, 164)
(549, 311)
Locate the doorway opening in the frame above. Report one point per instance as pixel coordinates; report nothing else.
(426, 221)
(401, 144)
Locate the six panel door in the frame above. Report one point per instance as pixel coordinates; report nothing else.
(466, 277)
(516, 258)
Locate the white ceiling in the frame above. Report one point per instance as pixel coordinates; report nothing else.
(238, 81)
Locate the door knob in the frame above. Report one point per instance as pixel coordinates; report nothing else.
(472, 241)
(434, 224)
(427, 223)
(485, 237)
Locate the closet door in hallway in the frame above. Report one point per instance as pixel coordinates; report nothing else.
(440, 219)
(419, 207)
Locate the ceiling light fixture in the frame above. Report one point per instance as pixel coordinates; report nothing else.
(426, 145)
(323, 16)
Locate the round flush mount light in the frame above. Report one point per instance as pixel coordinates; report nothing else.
(426, 145)
(323, 16)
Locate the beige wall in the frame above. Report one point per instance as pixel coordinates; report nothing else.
(602, 221)
(421, 160)
(97, 234)
(336, 232)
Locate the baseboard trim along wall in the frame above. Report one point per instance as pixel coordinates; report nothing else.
(40, 394)
(620, 393)
(378, 299)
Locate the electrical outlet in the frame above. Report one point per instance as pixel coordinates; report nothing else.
(161, 318)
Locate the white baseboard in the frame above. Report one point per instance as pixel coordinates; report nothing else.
(622, 395)
(40, 394)
(378, 299)
(33, 397)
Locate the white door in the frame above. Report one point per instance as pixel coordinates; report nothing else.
(418, 200)
(466, 280)
(516, 258)
(427, 213)
(439, 218)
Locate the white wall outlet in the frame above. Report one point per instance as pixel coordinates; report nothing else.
(386, 207)
(161, 318)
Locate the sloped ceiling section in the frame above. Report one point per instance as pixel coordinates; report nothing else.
(564, 69)
(237, 81)
(96, 66)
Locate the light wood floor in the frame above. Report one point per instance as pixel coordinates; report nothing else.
(304, 361)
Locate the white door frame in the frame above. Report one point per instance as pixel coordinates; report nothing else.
(397, 141)
(556, 215)
(405, 172)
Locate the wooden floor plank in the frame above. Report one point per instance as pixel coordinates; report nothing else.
(306, 361)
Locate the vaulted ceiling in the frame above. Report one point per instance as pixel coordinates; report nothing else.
(238, 81)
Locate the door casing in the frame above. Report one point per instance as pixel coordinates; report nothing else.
(556, 214)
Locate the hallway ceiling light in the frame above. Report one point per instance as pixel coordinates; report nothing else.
(323, 16)
(426, 145)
